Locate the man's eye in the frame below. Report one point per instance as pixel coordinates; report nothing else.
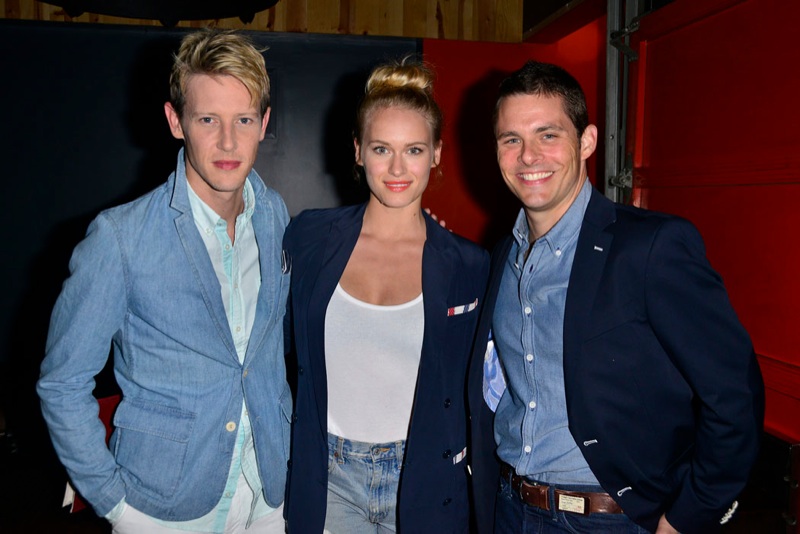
(246, 120)
(206, 120)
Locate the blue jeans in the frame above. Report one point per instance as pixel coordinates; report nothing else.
(514, 516)
(362, 486)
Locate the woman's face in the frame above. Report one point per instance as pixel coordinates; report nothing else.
(397, 152)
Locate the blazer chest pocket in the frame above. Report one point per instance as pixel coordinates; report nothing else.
(463, 311)
(152, 442)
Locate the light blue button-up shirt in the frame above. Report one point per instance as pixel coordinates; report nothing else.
(531, 428)
(237, 268)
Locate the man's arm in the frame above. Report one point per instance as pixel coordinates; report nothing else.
(689, 310)
(87, 314)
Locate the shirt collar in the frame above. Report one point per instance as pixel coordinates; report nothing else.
(564, 230)
(207, 218)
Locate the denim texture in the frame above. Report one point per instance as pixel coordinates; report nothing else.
(516, 517)
(531, 421)
(362, 486)
(142, 282)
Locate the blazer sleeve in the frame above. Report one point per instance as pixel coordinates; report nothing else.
(690, 313)
(87, 314)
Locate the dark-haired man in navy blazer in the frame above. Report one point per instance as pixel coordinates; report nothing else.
(627, 397)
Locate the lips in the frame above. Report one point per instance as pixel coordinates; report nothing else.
(227, 165)
(397, 187)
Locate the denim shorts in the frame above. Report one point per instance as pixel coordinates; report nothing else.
(513, 516)
(362, 486)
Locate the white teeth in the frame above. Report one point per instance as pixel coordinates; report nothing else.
(533, 176)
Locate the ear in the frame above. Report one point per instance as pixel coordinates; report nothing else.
(588, 142)
(437, 154)
(264, 122)
(174, 121)
(358, 152)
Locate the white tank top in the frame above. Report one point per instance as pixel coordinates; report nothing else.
(372, 358)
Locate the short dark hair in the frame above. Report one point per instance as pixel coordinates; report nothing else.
(544, 79)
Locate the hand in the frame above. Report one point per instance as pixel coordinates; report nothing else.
(435, 218)
(664, 527)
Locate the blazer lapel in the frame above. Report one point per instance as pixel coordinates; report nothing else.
(437, 271)
(197, 255)
(331, 263)
(593, 247)
(269, 293)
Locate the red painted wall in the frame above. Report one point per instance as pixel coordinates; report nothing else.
(471, 195)
(714, 102)
(714, 111)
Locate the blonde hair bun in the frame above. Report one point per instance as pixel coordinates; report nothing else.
(405, 74)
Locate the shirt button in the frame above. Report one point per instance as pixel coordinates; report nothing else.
(227, 247)
(532, 404)
(527, 449)
(558, 252)
(529, 357)
(231, 426)
(238, 328)
(528, 310)
(229, 494)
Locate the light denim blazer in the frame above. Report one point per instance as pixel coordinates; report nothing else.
(142, 282)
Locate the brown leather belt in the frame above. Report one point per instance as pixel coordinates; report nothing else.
(565, 501)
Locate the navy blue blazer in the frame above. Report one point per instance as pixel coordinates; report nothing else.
(664, 394)
(433, 494)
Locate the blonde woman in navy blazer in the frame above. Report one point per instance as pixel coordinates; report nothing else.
(385, 253)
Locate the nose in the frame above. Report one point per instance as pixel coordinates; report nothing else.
(530, 153)
(397, 166)
(227, 137)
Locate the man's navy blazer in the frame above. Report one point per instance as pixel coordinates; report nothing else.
(433, 494)
(664, 394)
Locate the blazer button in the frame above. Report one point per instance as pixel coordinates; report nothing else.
(300, 370)
(294, 417)
(231, 426)
(446, 454)
(447, 501)
(447, 403)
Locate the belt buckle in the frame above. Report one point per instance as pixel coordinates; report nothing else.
(572, 503)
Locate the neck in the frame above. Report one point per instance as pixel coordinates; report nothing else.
(393, 223)
(540, 222)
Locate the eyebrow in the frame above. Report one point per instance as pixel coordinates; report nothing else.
(547, 127)
(540, 129)
(506, 134)
(381, 142)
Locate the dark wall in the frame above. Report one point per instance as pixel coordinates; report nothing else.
(84, 129)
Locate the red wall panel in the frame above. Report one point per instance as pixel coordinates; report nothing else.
(714, 110)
